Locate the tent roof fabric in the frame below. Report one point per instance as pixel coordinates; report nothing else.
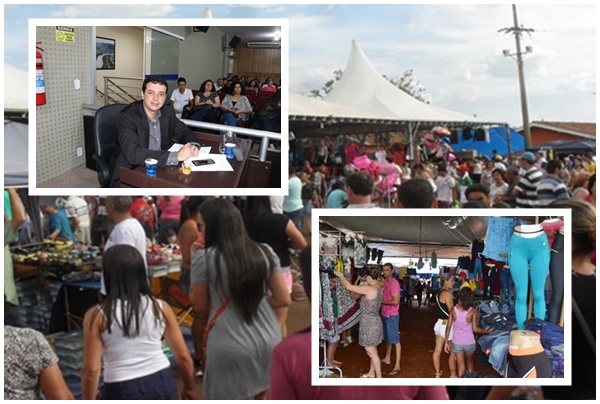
(15, 89)
(401, 235)
(561, 146)
(364, 88)
(15, 154)
(498, 141)
(305, 108)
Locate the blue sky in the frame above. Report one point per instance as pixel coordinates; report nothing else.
(455, 51)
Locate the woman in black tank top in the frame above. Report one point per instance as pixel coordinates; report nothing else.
(444, 304)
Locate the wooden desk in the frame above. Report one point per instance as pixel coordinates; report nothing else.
(172, 177)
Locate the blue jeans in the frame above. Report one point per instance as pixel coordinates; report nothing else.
(498, 352)
(157, 386)
(296, 217)
(506, 295)
(205, 115)
(231, 120)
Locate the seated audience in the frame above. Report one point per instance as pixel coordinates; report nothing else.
(206, 102)
(235, 108)
(268, 116)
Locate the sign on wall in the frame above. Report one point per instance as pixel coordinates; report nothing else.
(65, 34)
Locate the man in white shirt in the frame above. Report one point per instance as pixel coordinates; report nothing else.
(127, 230)
(76, 210)
(182, 98)
(445, 188)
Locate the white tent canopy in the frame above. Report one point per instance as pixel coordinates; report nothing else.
(364, 88)
(15, 89)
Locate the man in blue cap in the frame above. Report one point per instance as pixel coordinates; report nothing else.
(525, 189)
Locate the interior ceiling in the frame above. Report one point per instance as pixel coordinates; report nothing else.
(251, 34)
(412, 236)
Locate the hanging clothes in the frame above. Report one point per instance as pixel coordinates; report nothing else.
(360, 253)
(347, 247)
(466, 133)
(327, 332)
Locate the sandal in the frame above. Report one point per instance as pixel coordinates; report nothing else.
(438, 374)
(394, 372)
(366, 376)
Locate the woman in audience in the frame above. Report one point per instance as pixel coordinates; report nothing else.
(269, 87)
(205, 102)
(499, 186)
(237, 284)
(253, 86)
(278, 232)
(126, 330)
(268, 116)
(291, 369)
(580, 186)
(170, 214)
(31, 370)
(577, 169)
(236, 108)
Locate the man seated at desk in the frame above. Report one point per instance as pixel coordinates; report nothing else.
(146, 128)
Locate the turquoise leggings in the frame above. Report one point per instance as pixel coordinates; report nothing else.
(529, 258)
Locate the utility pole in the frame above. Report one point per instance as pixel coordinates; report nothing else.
(517, 31)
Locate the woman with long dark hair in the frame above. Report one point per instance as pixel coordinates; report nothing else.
(268, 117)
(205, 103)
(278, 232)
(126, 330)
(236, 286)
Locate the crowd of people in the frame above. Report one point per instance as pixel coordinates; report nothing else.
(233, 101)
(528, 181)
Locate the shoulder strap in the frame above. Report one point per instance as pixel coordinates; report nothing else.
(584, 327)
(437, 300)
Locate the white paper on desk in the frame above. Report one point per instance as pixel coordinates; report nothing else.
(221, 163)
(177, 146)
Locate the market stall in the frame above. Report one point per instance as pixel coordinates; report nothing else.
(486, 254)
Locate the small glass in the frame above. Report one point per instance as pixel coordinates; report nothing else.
(186, 168)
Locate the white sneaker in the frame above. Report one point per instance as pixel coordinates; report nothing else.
(349, 340)
(199, 373)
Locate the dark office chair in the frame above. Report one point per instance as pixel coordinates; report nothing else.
(105, 140)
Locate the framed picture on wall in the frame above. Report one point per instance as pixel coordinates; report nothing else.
(105, 53)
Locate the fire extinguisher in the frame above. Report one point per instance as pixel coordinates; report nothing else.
(40, 87)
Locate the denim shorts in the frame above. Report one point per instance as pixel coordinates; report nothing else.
(160, 385)
(466, 349)
(391, 329)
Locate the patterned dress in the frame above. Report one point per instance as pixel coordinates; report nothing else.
(370, 332)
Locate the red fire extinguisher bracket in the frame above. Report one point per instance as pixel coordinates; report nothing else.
(40, 84)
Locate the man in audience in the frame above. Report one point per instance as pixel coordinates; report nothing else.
(146, 128)
(219, 85)
(525, 189)
(551, 187)
(359, 186)
(478, 193)
(337, 198)
(58, 223)
(416, 194)
(511, 175)
(77, 212)
(445, 188)
(182, 98)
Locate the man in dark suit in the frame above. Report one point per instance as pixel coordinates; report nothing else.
(146, 128)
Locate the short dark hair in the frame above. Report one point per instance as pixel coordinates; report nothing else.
(120, 203)
(477, 188)
(389, 264)
(442, 168)
(360, 183)
(553, 165)
(416, 194)
(155, 80)
(241, 85)
(499, 171)
(179, 80)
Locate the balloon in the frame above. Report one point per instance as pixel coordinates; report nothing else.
(362, 162)
(451, 157)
